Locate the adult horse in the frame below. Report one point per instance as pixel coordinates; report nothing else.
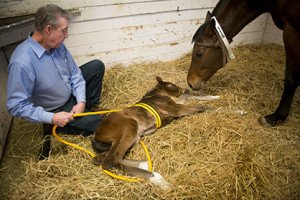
(229, 17)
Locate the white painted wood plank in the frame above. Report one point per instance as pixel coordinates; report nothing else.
(121, 10)
(148, 35)
(273, 38)
(93, 9)
(25, 7)
(248, 38)
(272, 34)
(130, 21)
(163, 52)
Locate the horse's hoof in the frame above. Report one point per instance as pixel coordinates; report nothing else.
(264, 122)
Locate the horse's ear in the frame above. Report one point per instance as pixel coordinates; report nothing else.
(208, 16)
(159, 79)
(211, 27)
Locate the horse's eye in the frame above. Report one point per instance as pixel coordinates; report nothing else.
(199, 54)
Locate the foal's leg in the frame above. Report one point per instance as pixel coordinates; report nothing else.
(153, 177)
(136, 163)
(183, 110)
(291, 39)
(125, 137)
(185, 97)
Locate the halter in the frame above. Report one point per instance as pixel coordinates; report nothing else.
(222, 42)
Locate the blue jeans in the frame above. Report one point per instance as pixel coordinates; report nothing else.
(93, 73)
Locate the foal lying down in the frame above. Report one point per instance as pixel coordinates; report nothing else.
(119, 131)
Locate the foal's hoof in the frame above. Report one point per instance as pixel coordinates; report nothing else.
(144, 165)
(266, 123)
(241, 112)
(159, 181)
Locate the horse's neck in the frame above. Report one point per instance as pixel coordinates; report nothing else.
(234, 15)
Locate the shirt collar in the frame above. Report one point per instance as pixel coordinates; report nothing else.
(36, 47)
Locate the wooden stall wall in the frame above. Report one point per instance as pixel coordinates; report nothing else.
(5, 118)
(126, 31)
(272, 34)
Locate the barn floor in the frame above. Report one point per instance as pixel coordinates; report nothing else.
(212, 155)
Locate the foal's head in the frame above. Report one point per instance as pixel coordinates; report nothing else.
(166, 89)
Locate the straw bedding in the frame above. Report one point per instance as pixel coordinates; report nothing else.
(212, 155)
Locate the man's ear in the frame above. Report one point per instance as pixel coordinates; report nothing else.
(48, 29)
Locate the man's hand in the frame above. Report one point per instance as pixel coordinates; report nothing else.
(62, 118)
(78, 108)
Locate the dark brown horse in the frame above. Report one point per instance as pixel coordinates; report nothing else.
(209, 53)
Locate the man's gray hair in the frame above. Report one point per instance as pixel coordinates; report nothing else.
(49, 15)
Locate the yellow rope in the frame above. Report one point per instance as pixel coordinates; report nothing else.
(145, 106)
(152, 111)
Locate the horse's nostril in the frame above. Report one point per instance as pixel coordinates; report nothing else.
(194, 88)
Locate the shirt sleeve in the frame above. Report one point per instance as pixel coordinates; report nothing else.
(19, 88)
(77, 80)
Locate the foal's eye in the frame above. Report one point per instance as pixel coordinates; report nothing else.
(199, 54)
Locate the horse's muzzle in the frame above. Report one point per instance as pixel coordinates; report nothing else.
(194, 88)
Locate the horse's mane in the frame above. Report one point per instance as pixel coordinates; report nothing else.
(219, 5)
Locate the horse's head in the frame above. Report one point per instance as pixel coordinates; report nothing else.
(166, 89)
(207, 56)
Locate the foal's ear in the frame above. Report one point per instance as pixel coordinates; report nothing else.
(208, 16)
(159, 79)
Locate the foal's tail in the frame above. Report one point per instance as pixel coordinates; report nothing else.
(99, 147)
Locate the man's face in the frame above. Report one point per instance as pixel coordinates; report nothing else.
(57, 36)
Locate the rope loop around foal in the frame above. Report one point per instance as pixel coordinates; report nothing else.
(93, 155)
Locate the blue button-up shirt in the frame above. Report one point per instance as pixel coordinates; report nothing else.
(40, 81)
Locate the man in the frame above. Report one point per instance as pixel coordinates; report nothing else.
(44, 83)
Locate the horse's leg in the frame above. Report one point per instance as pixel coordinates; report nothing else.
(292, 76)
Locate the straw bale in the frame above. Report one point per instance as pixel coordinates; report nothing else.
(213, 155)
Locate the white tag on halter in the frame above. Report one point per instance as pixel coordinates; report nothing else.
(223, 37)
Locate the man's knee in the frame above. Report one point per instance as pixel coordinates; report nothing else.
(92, 68)
(98, 65)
